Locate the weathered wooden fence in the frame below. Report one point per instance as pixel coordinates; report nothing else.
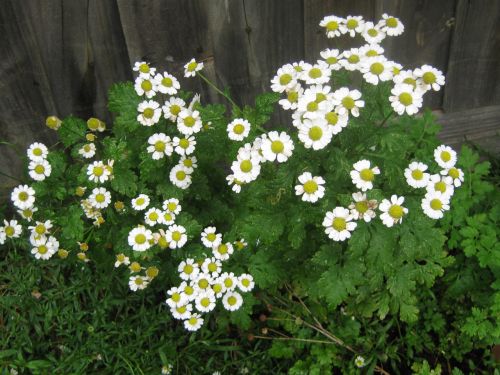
(61, 56)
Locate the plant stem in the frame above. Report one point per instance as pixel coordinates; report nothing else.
(219, 91)
(295, 339)
(9, 176)
(386, 118)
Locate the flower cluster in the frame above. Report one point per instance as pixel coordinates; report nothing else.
(204, 282)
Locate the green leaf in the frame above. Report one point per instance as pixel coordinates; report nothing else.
(72, 130)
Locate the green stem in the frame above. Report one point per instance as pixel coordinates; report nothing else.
(9, 176)
(385, 119)
(218, 90)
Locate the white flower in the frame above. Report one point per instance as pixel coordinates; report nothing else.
(87, 150)
(167, 369)
(37, 152)
(292, 97)
(440, 184)
(98, 172)
(434, 204)
(145, 71)
(136, 283)
(429, 78)
(188, 269)
(139, 238)
(406, 77)
(189, 122)
(181, 312)
(229, 281)
(177, 297)
(456, 174)
(192, 67)
(332, 58)
(376, 69)
(172, 205)
(363, 175)
(232, 301)
(317, 74)
(167, 218)
(140, 202)
(189, 162)
(315, 134)
(153, 216)
(210, 237)
(338, 224)
(223, 251)
(211, 266)
(39, 170)
(362, 208)
(348, 101)
(145, 86)
(3, 236)
(352, 59)
(27, 213)
(166, 83)
(160, 145)
(352, 25)
(176, 236)
(240, 244)
(234, 183)
(245, 282)
(238, 129)
(23, 197)
(336, 122)
(202, 282)
(371, 50)
(173, 107)
(40, 229)
(218, 287)
(122, 259)
(285, 79)
(45, 248)
(332, 25)
(100, 198)
(309, 106)
(392, 210)
(184, 146)
(247, 167)
(194, 323)
(372, 33)
(11, 229)
(405, 99)
(391, 25)
(180, 176)
(149, 112)
(311, 188)
(445, 156)
(359, 361)
(277, 146)
(205, 301)
(416, 176)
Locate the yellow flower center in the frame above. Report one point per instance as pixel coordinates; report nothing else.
(391, 22)
(144, 68)
(246, 166)
(120, 257)
(100, 198)
(203, 283)
(140, 201)
(377, 68)
(40, 229)
(188, 163)
(410, 81)
(454, 173)
(167, 82)
(217, 288)
(245, 282)
(146, 85)
(176, 236)
(361, 207)
(192, 66)
(320, 97)
(93, 123)
(232, 300)
(371, 53)
(175, 109)
(139, 281)
(285, 79)
(339, 224)
(160, 146)
(52, 122)
(445, 156)
(292, 96)
(372, 32)
(162, 242)
(189, 290)
(40, 169)
(181, 309)
(332, 118)
(176, 297)
(98, 171)
(27, 213)
(205, 302)
(315, 73)
(37, 151)
(211, 237)
(189, 121)
(184, 143)
(396, 211)
(277, 147)
(228, 283)
(238, 129)
(172, 206)
(367, 174)
(332, 25)
(212, 267)
(348, 103)
(440, 186)
(23, 196)
(312, 107)
(353, 59)
(9, 231)
(436, 204)
(193, 320)
(315, 133)
(429, 78)
(135, 267)
(152, 272)
(352, 24)
(188, 269)
(148, 112)
(222, 249)
(405, 98)
(310, 186)
(140, 238)
(42, 249)
(417, 174)
(331, 60)
(119, 205)
(180, 175)
(153, 216)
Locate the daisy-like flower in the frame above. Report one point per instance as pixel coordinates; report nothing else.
(406, 77)
(37, 152)
(27, 213)
(184, 146)
(188, 290)
(456, 174)
(332, 58)
(140, 238)
(180, 176)
(348, 101)
(41, 228)
(192, 67)
(160, 237)
(247, 167)
(205, 301)
(121, 259)
(416, 176)
(168, 218)
(352, 25)
(285, 79)
(372, 33)
(140, 202)
(189, 162)
(210, 238)
(376, 69)
(352, 59)
(149, 112)
(238, 129)
(362, 208)
(245, 282)
(194, 322)
(87, 150)
(96, 125)
(311, 188)
(229, 280)
(166, 83)
(177, 297)
(429, 78)
(100, 198)
(189, 122)
(23, 197)
(188, 269)
(317, 74)
(98, 172)
(39, 170)
(372, 50)
(176, 236)
(218, 288)
(391, 25)
(234, 183)
(363, 175)
(11, 229)
(405, 99)
(292, 98)
(223, 251)
(240, 244)
(332, 25)
(144, 70)
(277, 146)
(172, 108)
(335, 121)
(136, 283)
(202, 282)
(434, 204)
(359, 361)
(172, 205)
(440, 184)
(160, 145)
(182, 312)
(315, 134)
(211, 266)
(232, 301)
(45, 248)
(309, 106)
(392, 210)
(445, 156)
(339, 224)
(145, 86)
(153, 216)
